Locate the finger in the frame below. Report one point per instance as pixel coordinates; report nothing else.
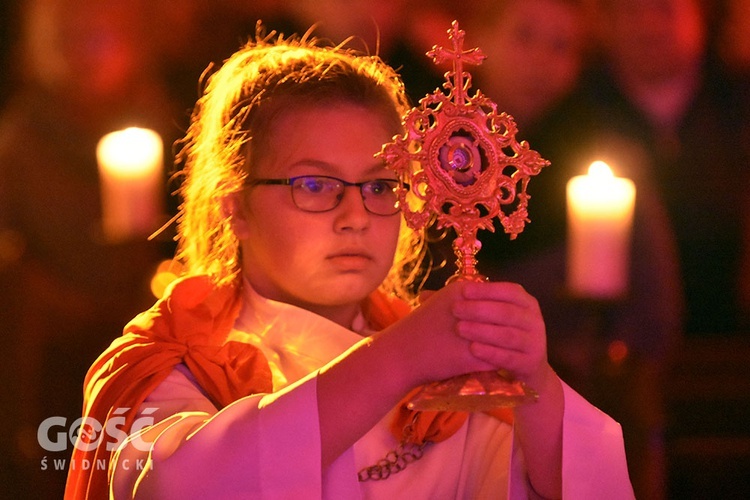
(498, 336)
(497, 357)
(497, 313)
(520, 365)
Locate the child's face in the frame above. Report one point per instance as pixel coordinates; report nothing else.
(329, 261)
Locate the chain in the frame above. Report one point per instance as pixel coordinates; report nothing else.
(395, 460)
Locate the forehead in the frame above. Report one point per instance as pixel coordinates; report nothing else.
(333, 138)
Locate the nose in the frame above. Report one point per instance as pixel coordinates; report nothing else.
(351, 214)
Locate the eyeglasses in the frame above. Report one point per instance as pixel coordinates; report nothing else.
(321, 193)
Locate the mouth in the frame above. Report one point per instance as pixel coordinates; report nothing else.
(351, 260)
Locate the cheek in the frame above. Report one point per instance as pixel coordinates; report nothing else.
(270, 227)
(389, 237)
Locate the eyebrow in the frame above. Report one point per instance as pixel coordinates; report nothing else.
(378, 166)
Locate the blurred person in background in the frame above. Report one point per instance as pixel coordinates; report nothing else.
(85, 70)
(535, 51)
(662, 86)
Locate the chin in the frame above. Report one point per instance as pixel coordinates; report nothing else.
(346, 289)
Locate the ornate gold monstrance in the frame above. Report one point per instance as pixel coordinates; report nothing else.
(459, 162)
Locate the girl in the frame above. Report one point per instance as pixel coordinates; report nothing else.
(276, 367)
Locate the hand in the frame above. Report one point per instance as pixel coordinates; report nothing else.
(505, 329)
(429, 345)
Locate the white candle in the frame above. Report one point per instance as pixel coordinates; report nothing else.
(130, 171)
(600, 219)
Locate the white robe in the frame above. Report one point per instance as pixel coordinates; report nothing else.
(268, 446)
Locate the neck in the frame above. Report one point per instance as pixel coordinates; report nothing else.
(342, 315)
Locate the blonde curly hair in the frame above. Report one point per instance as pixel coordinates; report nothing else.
(230, 126)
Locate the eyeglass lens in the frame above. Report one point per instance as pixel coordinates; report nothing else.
(318, 194)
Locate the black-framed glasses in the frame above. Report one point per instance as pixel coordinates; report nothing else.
(321, 193)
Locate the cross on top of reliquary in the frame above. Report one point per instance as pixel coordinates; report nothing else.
(458, 56)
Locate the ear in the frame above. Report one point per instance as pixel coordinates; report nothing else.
(233, 207)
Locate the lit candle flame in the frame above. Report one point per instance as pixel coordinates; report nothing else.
(599, 169)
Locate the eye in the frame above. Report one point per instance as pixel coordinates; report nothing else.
(380, 187)
(316, 185)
